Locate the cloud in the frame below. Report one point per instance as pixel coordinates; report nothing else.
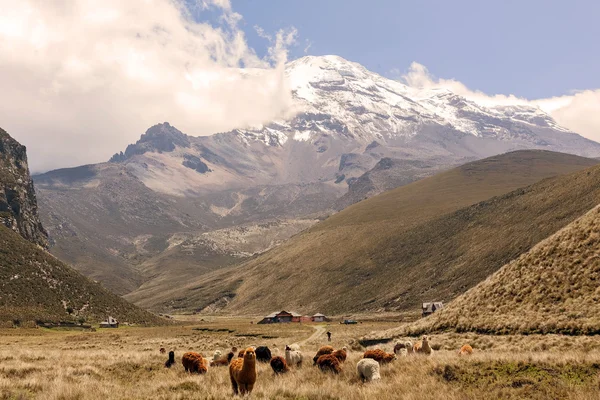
(279, 44)
(308, 46)
(579, 111)
(82, 79)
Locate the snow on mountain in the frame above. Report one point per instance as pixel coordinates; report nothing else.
(346, 119)
(353, 133)
(360, 105)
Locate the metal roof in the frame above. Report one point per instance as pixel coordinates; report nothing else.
(292, 313)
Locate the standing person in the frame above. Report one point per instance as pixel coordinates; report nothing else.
(328, 336)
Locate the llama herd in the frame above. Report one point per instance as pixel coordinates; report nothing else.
(243, 371)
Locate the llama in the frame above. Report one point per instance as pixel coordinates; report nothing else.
(340, 354)
(223, 361)
(368, 370)
(465, 350)
(230, 356)
(242, 372)
(194, 363)
(171, 359)
(380, 356)
(293, 358)
(279, 365)
(263, 354)
(423, 347)
(294, 347)
(329, 362)
(403, 349)
(322, 351)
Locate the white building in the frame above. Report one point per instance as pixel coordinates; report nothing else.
(109, 323)
(318, 317)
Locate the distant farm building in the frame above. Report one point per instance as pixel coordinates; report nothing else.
(281, 317)
(318, 317)
(109, 323)
(306, 318)
(285, 317)
(430, 308)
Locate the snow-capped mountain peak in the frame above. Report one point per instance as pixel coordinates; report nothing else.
(372, 106)
(348, 118)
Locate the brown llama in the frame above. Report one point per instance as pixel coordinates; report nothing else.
(329, 363)
(423, 347)
(279, 365)
(322, 351)
(340, 354)
(380, 356)
(465, 350)
(194, 363)
(242, 372)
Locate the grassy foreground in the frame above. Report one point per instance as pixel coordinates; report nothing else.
(126, 364)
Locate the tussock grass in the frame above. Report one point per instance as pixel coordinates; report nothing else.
(553, 288)
(119, 367)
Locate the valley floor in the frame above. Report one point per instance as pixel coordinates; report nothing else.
(125, 363)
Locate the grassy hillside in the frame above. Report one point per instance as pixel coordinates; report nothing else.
(34, 286)
(410, 244)
(553, 288)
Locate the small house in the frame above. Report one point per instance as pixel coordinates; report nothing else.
(318, 317)
(306, 318)
(281, 317)
(296, 317)
(430, 308)
(269, 319)
(284, 316)
(109, 323)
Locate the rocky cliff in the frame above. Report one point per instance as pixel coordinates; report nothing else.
(35, 287)
(18, 206)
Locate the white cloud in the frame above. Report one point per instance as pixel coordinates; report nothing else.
(579, 112)
(82, 79)
(308, 46)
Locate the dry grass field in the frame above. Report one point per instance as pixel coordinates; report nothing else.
(125, 363)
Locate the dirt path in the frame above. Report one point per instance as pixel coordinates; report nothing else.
(319, 331)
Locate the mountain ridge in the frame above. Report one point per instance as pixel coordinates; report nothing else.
(341, 264)
(325, 157)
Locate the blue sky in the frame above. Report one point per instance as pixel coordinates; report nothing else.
(530, 48)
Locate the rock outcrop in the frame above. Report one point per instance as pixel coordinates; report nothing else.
(18, 205)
